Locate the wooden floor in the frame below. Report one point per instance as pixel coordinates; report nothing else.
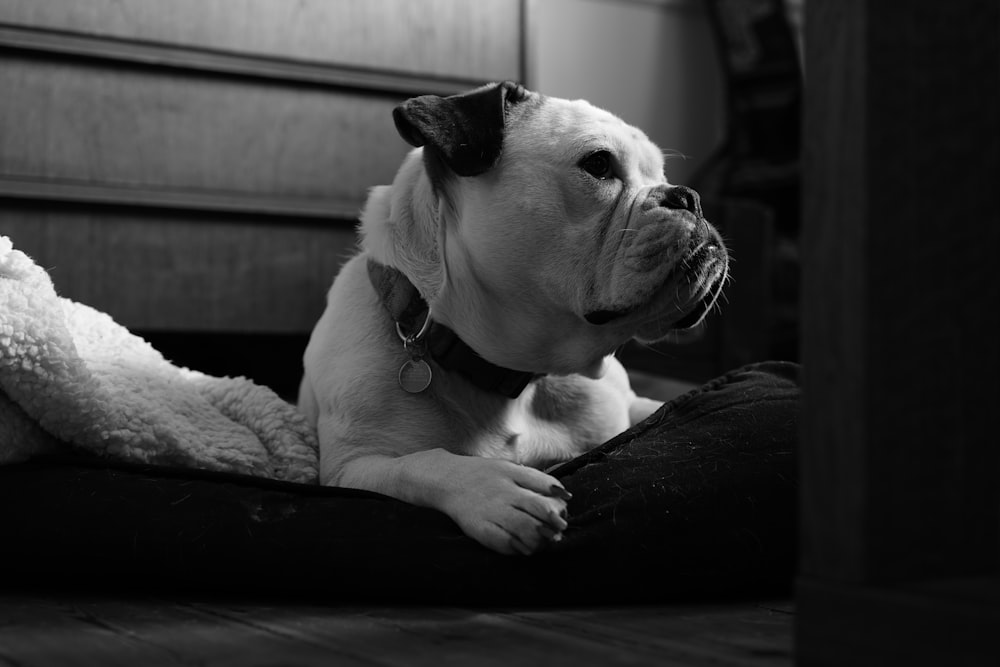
(46, 631)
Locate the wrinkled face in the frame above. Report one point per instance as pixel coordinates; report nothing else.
(574, 242)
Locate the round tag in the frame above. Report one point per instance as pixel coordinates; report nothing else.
(415, 376)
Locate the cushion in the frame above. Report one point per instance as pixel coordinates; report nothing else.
(696, 501)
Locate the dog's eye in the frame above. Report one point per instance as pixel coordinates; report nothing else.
(598, 165)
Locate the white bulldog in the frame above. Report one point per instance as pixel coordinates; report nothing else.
(469, 343)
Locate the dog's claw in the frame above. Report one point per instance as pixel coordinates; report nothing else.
(558, 520)
(560, 492)
(548, 533)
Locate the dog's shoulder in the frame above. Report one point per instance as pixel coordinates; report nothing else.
(351, 331)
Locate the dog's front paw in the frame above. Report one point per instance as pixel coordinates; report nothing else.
(505, 506)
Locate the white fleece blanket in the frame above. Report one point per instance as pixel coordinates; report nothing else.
(71, 374)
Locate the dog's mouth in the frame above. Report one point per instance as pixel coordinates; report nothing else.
(706, 263)
(702, 307)
(692, 318)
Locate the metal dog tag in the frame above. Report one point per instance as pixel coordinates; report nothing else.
(415, 376)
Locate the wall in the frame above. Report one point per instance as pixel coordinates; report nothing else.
(652, 62)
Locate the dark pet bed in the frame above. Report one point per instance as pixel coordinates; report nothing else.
(697, 501)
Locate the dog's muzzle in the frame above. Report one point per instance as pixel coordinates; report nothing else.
(689, 269)
(704, 260)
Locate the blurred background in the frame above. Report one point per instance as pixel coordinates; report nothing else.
(195, 167)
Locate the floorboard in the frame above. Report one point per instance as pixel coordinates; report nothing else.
(49, 631)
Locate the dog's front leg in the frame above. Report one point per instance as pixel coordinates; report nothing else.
(507, 507)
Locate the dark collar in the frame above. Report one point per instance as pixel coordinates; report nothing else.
(409, 310)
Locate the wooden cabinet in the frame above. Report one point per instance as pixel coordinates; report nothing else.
(198, 165)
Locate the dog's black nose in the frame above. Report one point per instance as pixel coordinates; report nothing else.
(682, 197)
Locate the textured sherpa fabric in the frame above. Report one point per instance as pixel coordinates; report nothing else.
(71, 374)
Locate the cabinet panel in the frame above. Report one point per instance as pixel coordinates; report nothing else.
(450, 38)
(167, 272)
(86, 122)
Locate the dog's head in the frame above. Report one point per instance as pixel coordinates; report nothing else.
(543, 231)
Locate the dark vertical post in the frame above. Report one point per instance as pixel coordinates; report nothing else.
(901, 310)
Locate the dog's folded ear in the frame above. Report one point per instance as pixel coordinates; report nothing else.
(466, 131)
